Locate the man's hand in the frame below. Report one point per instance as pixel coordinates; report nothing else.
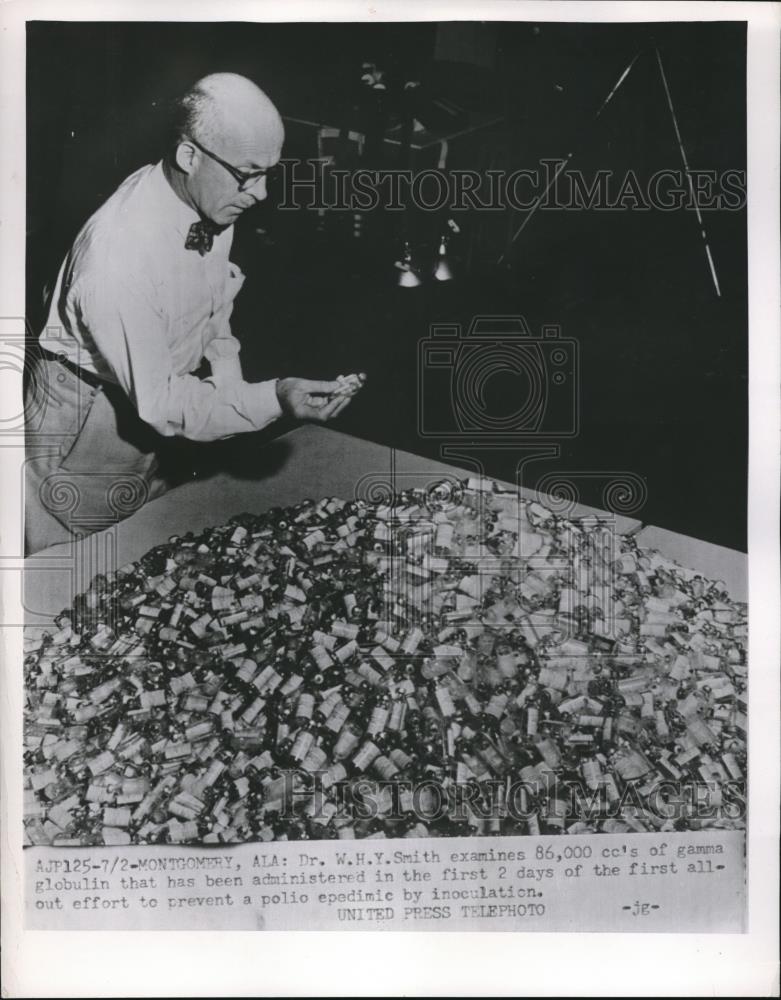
(306, 399)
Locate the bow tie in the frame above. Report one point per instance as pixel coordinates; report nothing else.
(201, 236)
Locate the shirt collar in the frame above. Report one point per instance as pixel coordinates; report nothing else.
(173, 211)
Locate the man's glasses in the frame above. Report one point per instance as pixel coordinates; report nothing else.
(246, 179)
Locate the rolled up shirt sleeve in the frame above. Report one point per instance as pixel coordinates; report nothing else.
(129, 332)
(223, 356)
(223, 352)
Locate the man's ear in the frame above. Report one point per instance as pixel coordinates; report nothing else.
(185, 155)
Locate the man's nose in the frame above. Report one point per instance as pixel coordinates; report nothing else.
(257, 189)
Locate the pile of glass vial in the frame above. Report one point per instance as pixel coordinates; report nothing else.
(449, 662)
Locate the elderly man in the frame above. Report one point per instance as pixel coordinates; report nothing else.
(145, 295)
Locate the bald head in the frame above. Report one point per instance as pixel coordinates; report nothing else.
(224, 121)
(226, 104)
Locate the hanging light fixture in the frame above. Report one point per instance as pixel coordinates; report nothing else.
(408, 277)
(443, 270)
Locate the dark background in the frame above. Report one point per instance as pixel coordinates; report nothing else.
(663, 359)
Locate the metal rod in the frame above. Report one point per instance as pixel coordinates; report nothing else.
(569, 156)
(688, 173)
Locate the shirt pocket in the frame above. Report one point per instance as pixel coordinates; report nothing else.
(234, 280)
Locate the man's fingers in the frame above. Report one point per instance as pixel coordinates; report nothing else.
(330, 409)
(339, 386)
(340, 405)
(315, 399)
(333, 408)
(313, 385)
(318, 402)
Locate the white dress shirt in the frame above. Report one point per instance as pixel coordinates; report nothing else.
(134, 307)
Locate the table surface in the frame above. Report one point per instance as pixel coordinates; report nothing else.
(310, 461)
